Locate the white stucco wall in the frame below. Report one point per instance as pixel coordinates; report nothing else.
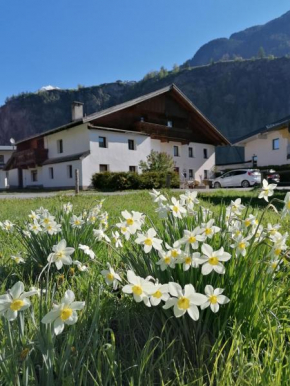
(61, 177)
(263, 148)
(75, 140)
(4, 176)
(27, 178)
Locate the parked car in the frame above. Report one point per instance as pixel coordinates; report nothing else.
(272, 176)
(240, 177)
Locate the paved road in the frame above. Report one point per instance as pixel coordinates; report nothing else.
(29, 195)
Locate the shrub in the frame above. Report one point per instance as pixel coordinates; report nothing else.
(124, 181)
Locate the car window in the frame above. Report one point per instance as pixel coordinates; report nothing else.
(240, 172)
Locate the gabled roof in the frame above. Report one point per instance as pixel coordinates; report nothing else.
(277, 125)
(173, 88)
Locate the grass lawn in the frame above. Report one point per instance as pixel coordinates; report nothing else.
(122, 335)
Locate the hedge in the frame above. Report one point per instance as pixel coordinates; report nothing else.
(110, 181)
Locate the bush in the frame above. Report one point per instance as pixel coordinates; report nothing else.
(124, 181)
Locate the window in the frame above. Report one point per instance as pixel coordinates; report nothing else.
(50, 172)
(190, 152)
(133, 169)
(69, 171)
(190, 173)
(131, 144)
(103, 168)
(205, 174)
(60, 146)
(102, 142)
(275, 144)
(33, 175)
(175, 151)
(1, 159)
(205, 153)
(169, 124)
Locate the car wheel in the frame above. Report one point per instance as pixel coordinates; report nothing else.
(245, 184)
(217, 185)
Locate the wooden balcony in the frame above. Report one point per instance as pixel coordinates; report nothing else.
(164, 133)
(29, 158)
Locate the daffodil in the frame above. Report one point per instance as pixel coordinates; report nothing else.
(214, 298)
(190, 260)
(161, 293)
(166, 260)
(286, 209)
(209, 230)
(177, 209)
(14, 301)
(18, 258)
(116, 239)
(33, 216)
(191, 238)
(76, 222)
(236, 207)
(80, 266)
(52, 228)
(211, 260)
(124, 229)
(87, 250)
(133, 220)
(35, 227)
(111, 277)
(267, 190)
(61, 255)
(184, 301)
(240, 245)
(7, 226)
(157, 196)
(63, 313)
(67, 208)
(139, 287)
(149, 241)
(101, 235)
(189, 199)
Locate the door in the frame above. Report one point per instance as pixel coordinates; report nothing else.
(20, 178)
(226, 179)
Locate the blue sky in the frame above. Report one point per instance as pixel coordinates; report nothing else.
(88, 42)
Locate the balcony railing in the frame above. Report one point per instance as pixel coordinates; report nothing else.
(29, 158)
(163, 132)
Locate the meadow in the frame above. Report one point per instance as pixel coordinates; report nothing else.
(157, 288)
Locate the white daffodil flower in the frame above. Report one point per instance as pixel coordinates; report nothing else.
(177, 209)
(42, 211)
(212, 260)
(67, 208)
(174, 252)
(189, 199)
(214, 298)
(236, 207)
(279, 244)
(80, 266)
(190, 260)
(250, 221)
(273, 229)
(209, 230)
(116, 239)
(26, 234)
(111, 277)
(124, 229)
(18, 258)
(139, 287)
(191, 238)
(157, 196)
(47, 218)
(87, 250)
(267, 190)
(52, 228)
(34, 216)
(35, 227)
(15, 300)
(76, 222)
(63, 313)
(7, 226)
(61, 255)
(166, 260)
(100, 235)
(149, 240)
(286, 209)
(132, 220)
(241, 244)
(185, 300)
(161, 293)
(274, 265)
(163, 210)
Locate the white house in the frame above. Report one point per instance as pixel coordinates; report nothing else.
(269, 145)
(117, 139)
(7, 178)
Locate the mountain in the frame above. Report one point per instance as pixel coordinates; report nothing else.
(273, 37)
(237, 96)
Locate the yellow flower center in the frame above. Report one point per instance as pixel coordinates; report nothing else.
(247, 223)
(157, 294)
(77, 222)
(65, 313)
(208, 231)
(148, 242)
(175, 209)
(16, 304)
(59, 255)
(174, 253)
(274, 265)
(242, 245)
(167, 260)
(187, 260)
(17, 260)
(183, 303)
(130, 221)
(46, 221)
(277, 252)
(272, 232)
(123, 229)
(213, 260)
(192, 239)
(288, 205)
(110, 276)
(213, 299)
(137, 290)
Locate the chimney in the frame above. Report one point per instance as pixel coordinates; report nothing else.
(77, 111)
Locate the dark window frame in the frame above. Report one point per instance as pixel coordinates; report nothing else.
(51, 173)
(274, 142)
(70, 171)
(176, 151)
(106, 167)
(190, 152)
(131, 144)
(34, 175)
(104, 142)
(134, 169)
(190, 173)
(60, 146)
(205, 154)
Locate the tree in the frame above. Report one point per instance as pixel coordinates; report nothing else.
(157, 162)
(163, 72)
(175, 68)
(261, 53)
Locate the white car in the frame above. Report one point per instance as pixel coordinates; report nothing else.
(242, 177)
